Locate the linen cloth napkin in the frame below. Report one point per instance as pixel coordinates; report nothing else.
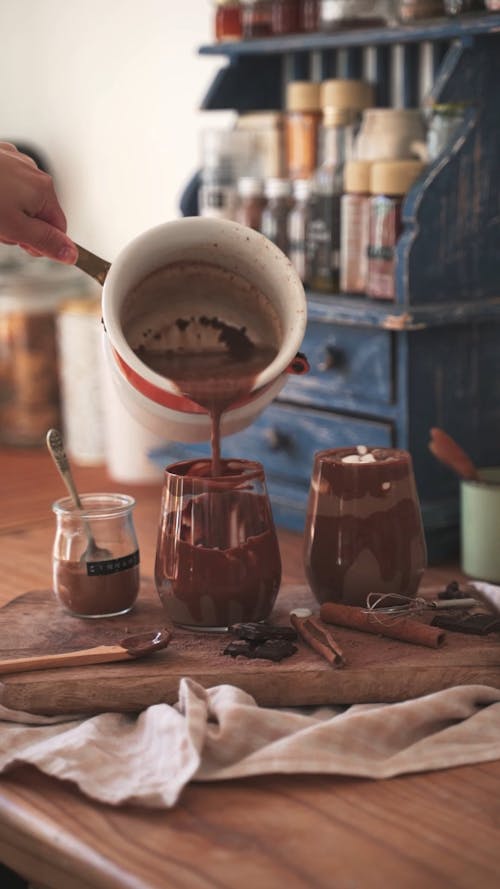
(221, 733)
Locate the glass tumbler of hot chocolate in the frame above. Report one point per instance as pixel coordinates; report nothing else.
(364, 532)
(218, 559)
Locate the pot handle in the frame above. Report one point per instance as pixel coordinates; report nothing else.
(91, 264)
(298, 365)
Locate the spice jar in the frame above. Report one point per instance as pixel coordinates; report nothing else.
(389, 183)
(336, 14)
(342, 102)
(256, 18)
(95, 555)
(355, 227)
(265, 130)
(309, 16)
(227, 22)
(275, 214)
(413, 10)
(297, 226)
(29, 385)
(251, 202)
(79, 333)
(301, 128)
(285, 16)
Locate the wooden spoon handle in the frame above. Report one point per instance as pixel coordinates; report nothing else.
(452, 455)
(100, 654)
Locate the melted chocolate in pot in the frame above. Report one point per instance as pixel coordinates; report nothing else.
(214, 361)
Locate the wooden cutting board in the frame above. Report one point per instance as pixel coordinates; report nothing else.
(377, 669)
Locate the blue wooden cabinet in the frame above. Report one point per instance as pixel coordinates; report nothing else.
(385, 373)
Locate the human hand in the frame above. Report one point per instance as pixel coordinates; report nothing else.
(30, 214)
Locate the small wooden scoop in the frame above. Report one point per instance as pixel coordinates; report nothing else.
(452, 455)
(131, 647)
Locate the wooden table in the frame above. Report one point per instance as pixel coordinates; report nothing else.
(437, 830)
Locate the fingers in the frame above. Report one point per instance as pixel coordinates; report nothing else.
(30, 213)
(41, 239)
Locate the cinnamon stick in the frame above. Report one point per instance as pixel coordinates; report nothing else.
(317, 637)
(403, 628)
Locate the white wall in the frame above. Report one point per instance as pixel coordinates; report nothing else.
(109, 90)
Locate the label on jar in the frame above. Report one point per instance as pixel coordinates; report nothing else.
(113, 566)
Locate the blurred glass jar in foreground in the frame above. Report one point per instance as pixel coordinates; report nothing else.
(30, 293)
(79, 345)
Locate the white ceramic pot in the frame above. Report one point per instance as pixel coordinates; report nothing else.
(155, 400)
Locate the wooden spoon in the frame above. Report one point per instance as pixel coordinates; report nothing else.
(130, 648)
(452, 455)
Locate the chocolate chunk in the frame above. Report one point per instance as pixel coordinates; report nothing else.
(260, 632)
(239, 647)
(453, 591)
(475, 624)
(274, 649)
(270, 650)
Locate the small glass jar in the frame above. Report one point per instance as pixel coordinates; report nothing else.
(217, 558)
(303, 116)
(309, 16)
(227, 23)
(256, 19)
(298, 218)
(355, 227)
(96, 555)
(251, 202)
(389, 183)
(275, 214)
(285, 17)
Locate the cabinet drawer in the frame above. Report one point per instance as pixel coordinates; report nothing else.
(350, 367)
(284, 439)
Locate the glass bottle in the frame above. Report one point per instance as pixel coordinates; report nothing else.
(251, 202)
(342, 102)
(389, 183)
(296, 227)
(355, 227)
(275, 213)
(96, 555)
(301, 128)
(227, 23)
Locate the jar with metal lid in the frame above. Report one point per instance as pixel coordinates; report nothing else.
(79, 341)
(390, 181)
(29, 384)
(302, 122)
(251, 202)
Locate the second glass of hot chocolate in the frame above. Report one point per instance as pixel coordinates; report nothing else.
(364, 530)
(217, 560)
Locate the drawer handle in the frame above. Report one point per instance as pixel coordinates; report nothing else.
(278, 441)
(334, 359)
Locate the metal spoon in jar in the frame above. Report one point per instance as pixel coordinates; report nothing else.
(55, 445)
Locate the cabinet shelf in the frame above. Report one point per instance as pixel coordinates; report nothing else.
(463, 27)
(360, 310)
(384, 373)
